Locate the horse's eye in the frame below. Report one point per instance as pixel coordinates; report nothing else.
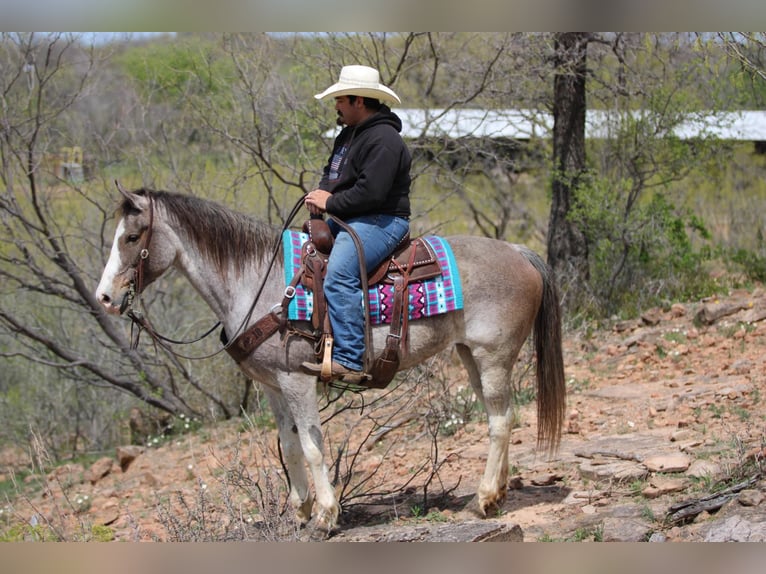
(132, 238)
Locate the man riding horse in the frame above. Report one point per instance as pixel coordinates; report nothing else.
(366, 185)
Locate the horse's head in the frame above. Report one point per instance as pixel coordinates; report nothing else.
(137, 257)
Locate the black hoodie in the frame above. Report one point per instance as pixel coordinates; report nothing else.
(373, 175)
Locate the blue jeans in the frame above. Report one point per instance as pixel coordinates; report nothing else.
(379, 235)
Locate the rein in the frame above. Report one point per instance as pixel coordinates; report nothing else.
(368, 354)
(142, 323)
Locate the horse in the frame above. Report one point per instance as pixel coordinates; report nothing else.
(509, 292)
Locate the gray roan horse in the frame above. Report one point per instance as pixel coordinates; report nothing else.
(507, 291)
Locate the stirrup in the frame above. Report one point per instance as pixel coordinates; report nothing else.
(350, 377)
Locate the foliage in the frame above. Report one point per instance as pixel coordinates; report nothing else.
(746, 73)
(102, 533)
(644, 256)
(169, 71)
(753, 264)
(646, 245)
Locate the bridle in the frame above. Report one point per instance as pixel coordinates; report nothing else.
(143, 254)
(136, 286)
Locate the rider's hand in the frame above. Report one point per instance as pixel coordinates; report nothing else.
(316, 201)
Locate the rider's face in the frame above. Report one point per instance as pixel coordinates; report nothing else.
(348, 113)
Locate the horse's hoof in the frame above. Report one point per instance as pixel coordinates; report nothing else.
(486, 507)
(303, 510)
(490, 508)
(315, 535)
(318, 530)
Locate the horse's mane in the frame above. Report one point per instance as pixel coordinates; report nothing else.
(225, 236)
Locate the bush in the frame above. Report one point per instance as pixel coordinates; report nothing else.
(641, 255)
(753, 264)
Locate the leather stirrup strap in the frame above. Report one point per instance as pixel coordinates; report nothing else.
(394, 338)
(405, 310)
(400, 311)
(320, 303)
(325, 375)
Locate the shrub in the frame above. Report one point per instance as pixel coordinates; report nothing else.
(640, 255)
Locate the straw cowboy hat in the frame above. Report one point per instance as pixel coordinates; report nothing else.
(360, 81)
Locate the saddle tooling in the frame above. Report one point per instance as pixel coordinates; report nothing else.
(413, 260)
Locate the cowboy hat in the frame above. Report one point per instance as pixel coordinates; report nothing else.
(360, 81)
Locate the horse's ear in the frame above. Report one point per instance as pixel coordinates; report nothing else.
(136, 200)
(122, 190)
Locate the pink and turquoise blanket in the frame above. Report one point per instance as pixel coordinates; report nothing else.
(432, 297)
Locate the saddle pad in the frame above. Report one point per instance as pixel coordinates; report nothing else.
(432, 297)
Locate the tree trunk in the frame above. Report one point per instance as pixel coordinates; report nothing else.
(567, 248)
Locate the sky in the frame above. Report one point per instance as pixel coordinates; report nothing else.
(106, 37)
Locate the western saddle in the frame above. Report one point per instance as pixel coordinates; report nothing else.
(412, 260)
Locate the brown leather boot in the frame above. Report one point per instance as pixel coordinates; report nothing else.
(338, 372)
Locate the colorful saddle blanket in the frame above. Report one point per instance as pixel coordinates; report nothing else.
(432, 297)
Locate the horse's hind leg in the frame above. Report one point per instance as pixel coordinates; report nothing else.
(489, 375)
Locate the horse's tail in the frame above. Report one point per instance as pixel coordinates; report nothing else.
(551, 384)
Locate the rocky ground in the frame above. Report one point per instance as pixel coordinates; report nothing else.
(663, 442)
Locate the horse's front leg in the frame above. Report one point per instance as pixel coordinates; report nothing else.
(300, 394)
(292, 453)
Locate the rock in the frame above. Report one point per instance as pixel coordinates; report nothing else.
(634, 340)
(625, 523)
(659, 486)
(703, 516)
(712, 312)
(703, 469)
(484, 531)
(127, 454)
(687, 446)
(681, 435)
(735, 529)
(754, 315)
(750, 497)
(67, 474)
(99, 469)
(740, 367)
(620, 471)
(622, 529)
(652, 317)
(582, 497)
(515, 483)
(546, 479)
(677, 462)
(677, 310)
(622, 326)
(108, 517)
